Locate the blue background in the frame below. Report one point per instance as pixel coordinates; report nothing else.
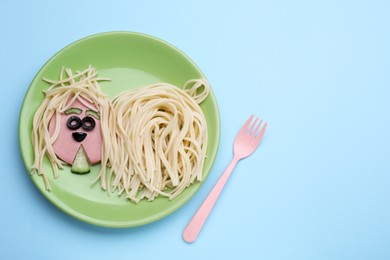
(317, 71)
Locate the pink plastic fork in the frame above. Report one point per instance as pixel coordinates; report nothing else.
(247, 140)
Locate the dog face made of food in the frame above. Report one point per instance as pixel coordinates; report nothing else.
(79, 130)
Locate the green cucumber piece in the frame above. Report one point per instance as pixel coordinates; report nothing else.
(93, 113)
(73, 110)
(80, 163)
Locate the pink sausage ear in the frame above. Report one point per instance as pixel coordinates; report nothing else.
(66, 147)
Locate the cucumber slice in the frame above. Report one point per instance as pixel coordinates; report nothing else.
(73, 110)
(80, 163)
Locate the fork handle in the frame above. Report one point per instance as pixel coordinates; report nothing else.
(193, 228)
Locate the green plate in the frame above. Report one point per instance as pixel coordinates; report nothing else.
(131, 60)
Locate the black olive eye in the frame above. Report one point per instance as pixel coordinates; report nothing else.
(88, 123)
(73, 123)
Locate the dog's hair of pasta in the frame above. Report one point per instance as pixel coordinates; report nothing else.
(83, 85)
(171, 165)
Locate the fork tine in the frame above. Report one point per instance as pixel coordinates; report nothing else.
(252, 126)
(255, 132)
(245, 126)
(262, 131)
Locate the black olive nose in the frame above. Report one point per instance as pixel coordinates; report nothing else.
(79, 136)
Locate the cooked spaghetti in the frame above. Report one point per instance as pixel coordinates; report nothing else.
(154, 138)
(161, 140)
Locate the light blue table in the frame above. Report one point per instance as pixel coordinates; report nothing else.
(317, 71)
